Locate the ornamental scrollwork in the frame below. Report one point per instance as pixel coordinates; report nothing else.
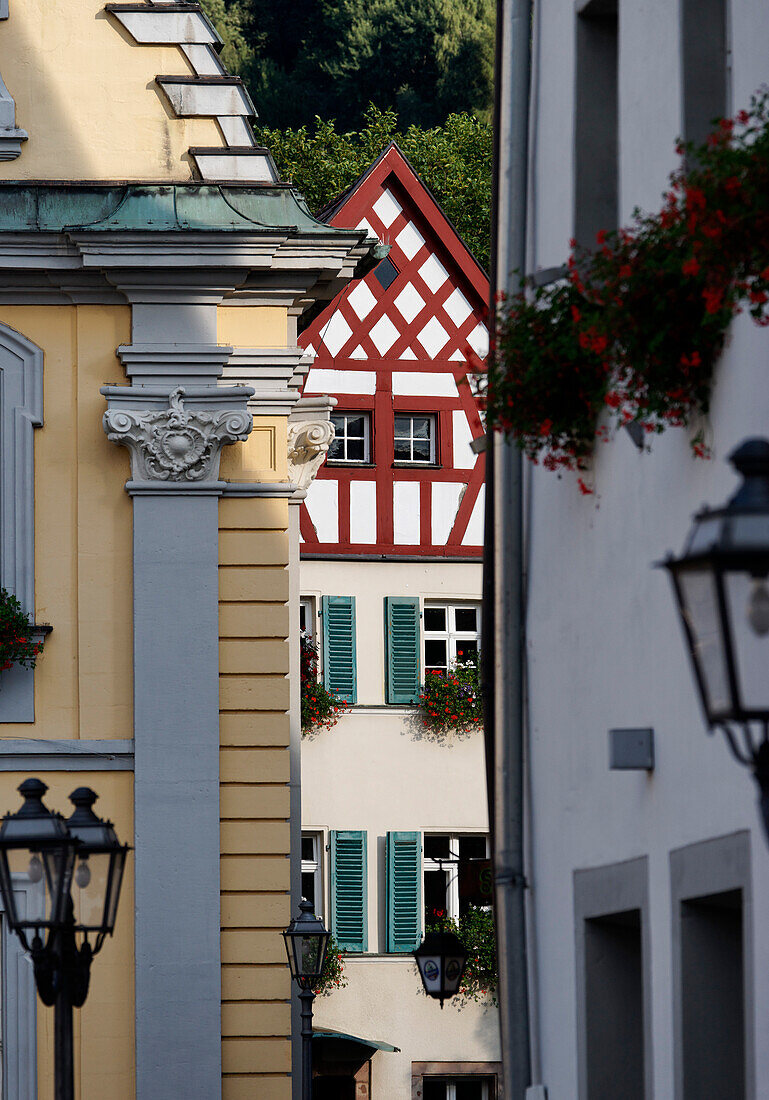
(308, 443)
(176, 444)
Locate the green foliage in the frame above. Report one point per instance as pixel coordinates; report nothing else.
(453, 701)
(332, 976)
(424, 58)
(476, 931)
(454, 160)
(16, 646)
(320, 708)
(635, 332)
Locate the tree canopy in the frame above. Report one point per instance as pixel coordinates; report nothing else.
(426, 59)
(454, 160)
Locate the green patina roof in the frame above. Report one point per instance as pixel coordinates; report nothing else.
(149, 207)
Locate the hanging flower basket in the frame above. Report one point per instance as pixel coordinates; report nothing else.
(321, 708)
(452, 701)
(332, 976)
(18, 645)
(633, 332)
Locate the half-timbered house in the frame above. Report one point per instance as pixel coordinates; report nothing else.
(394, 819)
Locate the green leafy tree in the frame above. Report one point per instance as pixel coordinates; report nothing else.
(424, 58)
(454, 160)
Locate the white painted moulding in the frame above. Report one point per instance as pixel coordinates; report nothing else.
(169, 24)
(204, 60)
(203, 96)
(243, 165)
(321, 380)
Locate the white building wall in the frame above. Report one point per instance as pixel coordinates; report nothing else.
(604, 643)
(378, 770)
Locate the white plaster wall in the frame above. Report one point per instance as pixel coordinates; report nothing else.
(376, 770)
(604, 643)
(384, 1001)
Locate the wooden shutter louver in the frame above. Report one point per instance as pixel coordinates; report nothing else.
(404, 891)
(339, 660)
(402, 631)
(349, 915)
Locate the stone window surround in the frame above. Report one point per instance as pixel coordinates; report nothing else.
(706, 867)
(420, 1070)
(599, 892)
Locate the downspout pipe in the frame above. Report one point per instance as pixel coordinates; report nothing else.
(503, 587)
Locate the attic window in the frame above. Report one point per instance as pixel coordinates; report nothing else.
(386, 273)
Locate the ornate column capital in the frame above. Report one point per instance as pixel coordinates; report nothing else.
(310, 433)
(172, 444)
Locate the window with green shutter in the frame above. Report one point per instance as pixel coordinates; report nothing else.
(349, 916)
(402, 634)
(404, 891)
(339, 673)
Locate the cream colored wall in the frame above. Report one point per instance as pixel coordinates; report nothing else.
(370, 582)
(86, 95)
(254, 738)
(83, 528)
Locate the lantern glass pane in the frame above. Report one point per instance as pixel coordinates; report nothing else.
(748, 532)
(118, 866)
(89, 890)
(7, 889)
(700, 607)
(453, 973)
(57, 865)
(309, 955)
(748, 600)
(431, 969)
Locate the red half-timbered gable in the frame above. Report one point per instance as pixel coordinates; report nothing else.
(395, 350)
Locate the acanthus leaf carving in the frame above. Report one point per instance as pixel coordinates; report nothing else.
(176, 444)
(308, 443)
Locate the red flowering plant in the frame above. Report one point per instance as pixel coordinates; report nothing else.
(332, 975)
(320, 707)
(16, 629)
(475, 929)
(452, 701)
(637, 325)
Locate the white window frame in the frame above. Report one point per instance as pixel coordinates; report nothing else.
(432, 419)
(450, 635)
(314, 867)
(345, 461)
(307, 607)
(449, 867)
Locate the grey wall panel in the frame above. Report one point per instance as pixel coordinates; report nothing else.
(176, 733)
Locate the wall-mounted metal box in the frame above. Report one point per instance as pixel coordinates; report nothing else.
(631, 750)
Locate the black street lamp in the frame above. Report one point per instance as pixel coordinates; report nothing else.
(441, 959)
(720, 582)
(306, 942)
(78, 902)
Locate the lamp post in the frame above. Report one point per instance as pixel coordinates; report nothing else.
(720, 583)
(306, 942)
(79, 904)
(441, 959)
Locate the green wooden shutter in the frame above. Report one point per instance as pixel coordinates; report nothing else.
(404, 891)
(402, 631)
(339, 674)
(349, 906)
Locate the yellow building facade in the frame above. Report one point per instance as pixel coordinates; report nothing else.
(153, 451)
